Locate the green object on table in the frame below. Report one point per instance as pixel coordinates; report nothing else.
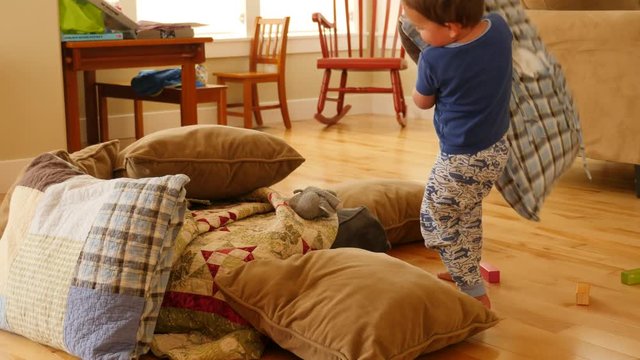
(80, 17)
(631, 277)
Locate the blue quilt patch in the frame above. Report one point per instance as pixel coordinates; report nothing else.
(3, 314)
(101, 325)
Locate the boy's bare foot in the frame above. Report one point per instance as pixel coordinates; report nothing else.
(484, 299)
(445, 276)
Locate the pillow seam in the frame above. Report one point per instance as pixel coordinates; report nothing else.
(481, 326)
(395, 226)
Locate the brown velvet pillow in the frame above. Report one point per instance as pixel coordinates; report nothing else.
(221, 161)
(97, 160)
(582, 4)
(351, 303)
(396, 203)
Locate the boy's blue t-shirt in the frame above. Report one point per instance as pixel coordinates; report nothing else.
(472, 85)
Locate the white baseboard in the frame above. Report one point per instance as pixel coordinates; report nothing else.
(121, 126)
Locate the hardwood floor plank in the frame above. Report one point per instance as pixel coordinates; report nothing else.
(629, 346)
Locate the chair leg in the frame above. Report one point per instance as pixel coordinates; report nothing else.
(343, 84)
(255, 104)
(322, 98)
(637, 168)
(282, 98)
(103, 116)
(222, 107)
(398, 98)
(341, 108)
(246, 98)
(138, 118)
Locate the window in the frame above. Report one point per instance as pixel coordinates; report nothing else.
(300, 12)
(227, 19)
(223, 18)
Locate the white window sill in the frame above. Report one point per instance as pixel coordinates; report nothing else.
(221, 48)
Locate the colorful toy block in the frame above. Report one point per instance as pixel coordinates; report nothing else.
(582, 293)
(489, 272)
(630, 277)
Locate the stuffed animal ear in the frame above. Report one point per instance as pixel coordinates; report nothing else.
(325, 211)
(330, 197)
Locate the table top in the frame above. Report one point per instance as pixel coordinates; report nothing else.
(134, 42)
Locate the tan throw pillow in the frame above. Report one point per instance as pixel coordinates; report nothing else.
(582, 4)
(352, 304)
(97, 160)
(222, 161)
(396, 203)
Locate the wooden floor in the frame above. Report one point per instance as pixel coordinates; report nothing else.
(589, 232)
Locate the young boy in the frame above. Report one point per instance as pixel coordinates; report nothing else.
(466, 73)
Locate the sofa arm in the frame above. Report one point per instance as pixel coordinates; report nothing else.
(599, 52)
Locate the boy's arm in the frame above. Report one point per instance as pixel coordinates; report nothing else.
(423, 101)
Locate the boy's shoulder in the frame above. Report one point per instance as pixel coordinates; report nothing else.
(497, 19)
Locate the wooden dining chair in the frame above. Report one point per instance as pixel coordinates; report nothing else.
(268, 48)
(377, 49)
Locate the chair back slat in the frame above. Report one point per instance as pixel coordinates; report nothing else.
(375, 23)
(269, 43)
(387, 13)
(372, 32)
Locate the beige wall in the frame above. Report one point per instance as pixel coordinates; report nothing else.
(31, 100)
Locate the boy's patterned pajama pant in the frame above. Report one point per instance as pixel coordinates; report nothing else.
(451, 212)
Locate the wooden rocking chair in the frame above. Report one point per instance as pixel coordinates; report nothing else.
(377, 54)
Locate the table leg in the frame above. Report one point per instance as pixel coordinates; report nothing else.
(188, 104)
(91, 107)
(71, 108)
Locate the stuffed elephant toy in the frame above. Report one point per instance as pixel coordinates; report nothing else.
(313, 202)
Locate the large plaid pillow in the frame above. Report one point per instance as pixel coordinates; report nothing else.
(84, 262)
(545, 135)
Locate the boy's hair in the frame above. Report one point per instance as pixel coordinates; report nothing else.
(465, 12)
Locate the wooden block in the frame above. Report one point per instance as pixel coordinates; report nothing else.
(489, 272)
(582, 293)
(630, 277)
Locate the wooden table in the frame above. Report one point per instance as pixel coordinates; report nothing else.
(89, 56)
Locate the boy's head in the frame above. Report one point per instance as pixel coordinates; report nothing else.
(439, 21)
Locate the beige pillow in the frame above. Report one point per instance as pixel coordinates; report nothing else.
(350, 303)
(96, 160)
(222, 161)
(396, 203)
(582, 4)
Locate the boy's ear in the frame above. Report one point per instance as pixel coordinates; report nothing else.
(454, 29)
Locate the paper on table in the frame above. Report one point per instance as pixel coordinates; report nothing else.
(148, 25)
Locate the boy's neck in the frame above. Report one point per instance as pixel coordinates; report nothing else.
(471, 33)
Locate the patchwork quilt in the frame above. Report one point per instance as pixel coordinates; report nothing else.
(84, 262)
(195, 321)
